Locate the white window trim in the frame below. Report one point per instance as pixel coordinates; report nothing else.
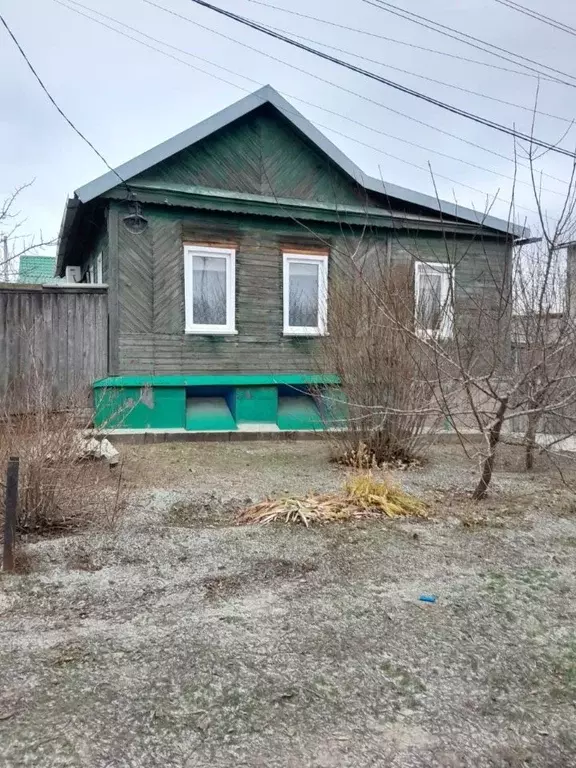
(229, 328)
(307, 258)
(446, 297)
(99, 270)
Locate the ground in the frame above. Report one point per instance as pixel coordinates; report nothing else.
(182, 639)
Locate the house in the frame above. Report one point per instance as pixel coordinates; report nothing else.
(37, 269)
(218, 247)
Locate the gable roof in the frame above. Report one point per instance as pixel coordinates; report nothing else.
(267, 95)
(37, 269)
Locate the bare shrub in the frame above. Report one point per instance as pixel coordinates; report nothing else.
(386, 398)
(59, 489)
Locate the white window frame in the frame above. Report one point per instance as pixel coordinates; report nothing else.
(306, 258)
(229, 254)
(446, 297)
(99, 269)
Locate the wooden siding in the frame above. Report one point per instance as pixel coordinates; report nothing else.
(259, 346)
(481, 270)
(151, 336)
(136, 280)
(261, 154)
(54, 335)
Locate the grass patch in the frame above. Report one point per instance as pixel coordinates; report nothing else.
(204, 510)
(362, 497)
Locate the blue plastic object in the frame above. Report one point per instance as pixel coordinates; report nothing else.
(427, 598)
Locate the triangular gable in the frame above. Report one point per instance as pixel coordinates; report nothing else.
(261, 153)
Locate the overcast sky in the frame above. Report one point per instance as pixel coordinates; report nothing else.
(127, 98)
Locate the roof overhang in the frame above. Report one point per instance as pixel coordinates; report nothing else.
(70, 211)
(201, 198)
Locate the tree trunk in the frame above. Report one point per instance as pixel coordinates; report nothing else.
(530, 440)
(481, 489)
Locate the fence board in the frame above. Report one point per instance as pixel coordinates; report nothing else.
(56, 333)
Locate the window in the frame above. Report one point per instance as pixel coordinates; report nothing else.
(305, 294)
(434, 299)
(210, 285)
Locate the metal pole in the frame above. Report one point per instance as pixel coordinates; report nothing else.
(10, 512)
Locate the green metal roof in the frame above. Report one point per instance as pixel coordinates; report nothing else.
(37, 269)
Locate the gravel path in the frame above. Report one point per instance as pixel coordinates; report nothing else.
(184, 640)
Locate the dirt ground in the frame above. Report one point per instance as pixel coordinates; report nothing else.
(182, 639)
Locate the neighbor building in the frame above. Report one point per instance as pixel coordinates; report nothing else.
(33, 269)
(218, 248)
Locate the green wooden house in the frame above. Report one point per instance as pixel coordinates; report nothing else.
(218, 247)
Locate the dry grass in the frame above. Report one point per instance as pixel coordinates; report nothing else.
(361, 456)
(59, 489)
(362, 498)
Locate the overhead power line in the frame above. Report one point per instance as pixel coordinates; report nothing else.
(385, 81)
(538, 16)
(312, 104)
(288, 95)
(342, 88)
(481, 95)
(55, 104)
(394, 40)
(464, 37)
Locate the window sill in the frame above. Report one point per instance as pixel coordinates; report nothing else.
(435, 335)
(303, 333)
(208, 332)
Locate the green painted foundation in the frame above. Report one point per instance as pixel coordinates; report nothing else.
(255, 404)
(140, 407)
(219, 403)
(209, 414)
(297, 413)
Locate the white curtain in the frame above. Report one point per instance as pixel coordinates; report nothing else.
(429, 299)
(209, 290)
(303, 295)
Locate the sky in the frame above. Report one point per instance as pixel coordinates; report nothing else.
(126, 97)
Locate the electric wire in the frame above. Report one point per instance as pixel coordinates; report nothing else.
(354, 93)
(304, 101)
(247, 90)
(474, 42)
(538, 16)
(533, 140)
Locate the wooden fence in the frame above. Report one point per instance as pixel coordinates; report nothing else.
(54, 334)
